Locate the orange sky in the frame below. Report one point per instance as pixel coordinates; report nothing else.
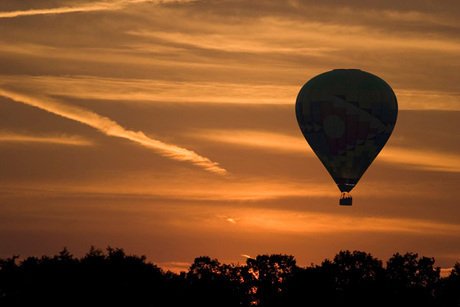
(168, 128)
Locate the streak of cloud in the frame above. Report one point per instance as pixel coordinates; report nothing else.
(170, 187)
(270, 221)
(111, 128)
(259, 139)
(305, 223)
(236, 43)
(426, 160)
(428, 100)
(145, 90)
(414, 158)
(311, 222)
(46, 139)
(87, 7)
(128, 89)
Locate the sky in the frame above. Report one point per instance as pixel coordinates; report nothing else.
(167, 128)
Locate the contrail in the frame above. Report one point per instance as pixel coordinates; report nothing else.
(89, 7)
(112, 128)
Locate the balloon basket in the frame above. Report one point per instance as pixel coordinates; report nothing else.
(346, 199)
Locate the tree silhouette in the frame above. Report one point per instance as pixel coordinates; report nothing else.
(450, 288)
(355, 269)
(112, 277)
(205, 268)
(353, 278)
(210, 282)
(267, 276)
(411, 279)
(9, 280)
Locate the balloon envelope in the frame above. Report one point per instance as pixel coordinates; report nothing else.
(346, 116)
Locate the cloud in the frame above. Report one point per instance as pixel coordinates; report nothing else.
(269, 49)
(111, 128)
(86, 7)
(157, 90)
(291, 48)
(258, 139)
(289, 37)
(230, 220)
(62, 139)
(424, 159)
(145, 90)
(283, 221)
(227, 42)
(171, 187)
(264, 220)
(419, 99)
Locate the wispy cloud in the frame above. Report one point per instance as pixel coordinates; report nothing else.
(277, 221)
(258, 139)
(62, 139)
(414, 158)
(119, 89)
(422, 159)
(85, 7)
(145, 90)
(311, 222)
(88, 7)
(288, 222)
(166, 186)
(111, 128)
(419, 99)
(233, 43)
(287, 36)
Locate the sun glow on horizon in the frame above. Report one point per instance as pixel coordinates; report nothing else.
(168, 127)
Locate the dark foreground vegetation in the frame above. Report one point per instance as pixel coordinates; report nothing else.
(113, 278)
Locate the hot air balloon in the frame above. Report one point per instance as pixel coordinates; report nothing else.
(346, 116)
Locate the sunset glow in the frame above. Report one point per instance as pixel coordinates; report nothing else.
(168, 128)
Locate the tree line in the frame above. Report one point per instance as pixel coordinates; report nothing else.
(114, 278)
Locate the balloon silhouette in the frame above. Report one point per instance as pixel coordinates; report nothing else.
(346, 116)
